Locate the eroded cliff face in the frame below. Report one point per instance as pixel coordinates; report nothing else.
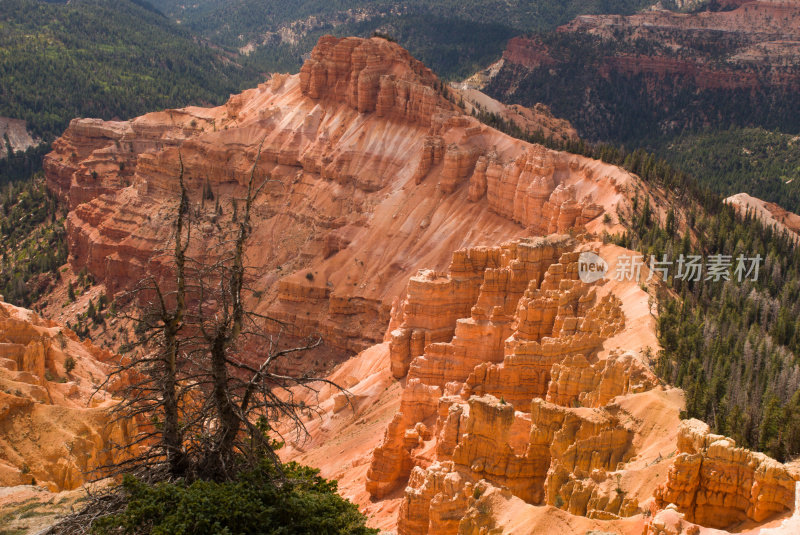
(370, 167)
(717, 484)
(530, 407)
(16, 131)
(54, 428)
(660, 72)
(756, 39)
(518, 398)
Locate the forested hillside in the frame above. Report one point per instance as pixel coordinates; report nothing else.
(732, 343)
(33, 241)
(103, 58)
(766, 163)
(713, 92)
(454, 38)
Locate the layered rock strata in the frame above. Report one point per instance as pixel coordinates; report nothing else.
(717, 484)
(55, 429)
(474, 413)
(367, 163)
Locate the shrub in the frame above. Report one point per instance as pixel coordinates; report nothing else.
(256, 502)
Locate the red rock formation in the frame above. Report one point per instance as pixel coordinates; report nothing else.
(368, 165)
(717, 484)
(55, 428)
(406, 432)
(540, 317)
(481, 337)
(759, 45)
(527, 191)
(370, 171)
(530, 53)
(575, 382)
(541, 456)
(371, 75)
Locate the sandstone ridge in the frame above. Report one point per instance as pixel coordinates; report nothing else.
(717, 484)
(369, 162)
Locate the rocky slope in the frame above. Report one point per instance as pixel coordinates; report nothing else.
(54, 428)
(667, 70)
(371, 169)
(770, 213)
(531, 408)
(16, 131)
(490, 389)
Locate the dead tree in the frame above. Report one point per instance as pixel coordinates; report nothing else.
(208, 407)
(155, 383)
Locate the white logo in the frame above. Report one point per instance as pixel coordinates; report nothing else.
(591, 268)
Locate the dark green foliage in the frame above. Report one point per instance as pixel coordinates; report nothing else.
(732, 346)
(453, 48)
(454, 38)
(247, 19)
(98, 58)
(32, 241)
(20, 165)
(208, 192)
(752, 160)
(257, 502)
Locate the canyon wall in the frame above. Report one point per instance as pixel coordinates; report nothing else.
(717, 484)
(55, 429)
(490, 389)
(527, 405)
(366, 164)
(754, 38)
(660, 72)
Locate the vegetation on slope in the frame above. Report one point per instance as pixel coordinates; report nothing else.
(259, 501)
(21, 165)
(732, 346)
(753, 160)
(98, 58)
(245, 20)
(454, 38)
(32, 241)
